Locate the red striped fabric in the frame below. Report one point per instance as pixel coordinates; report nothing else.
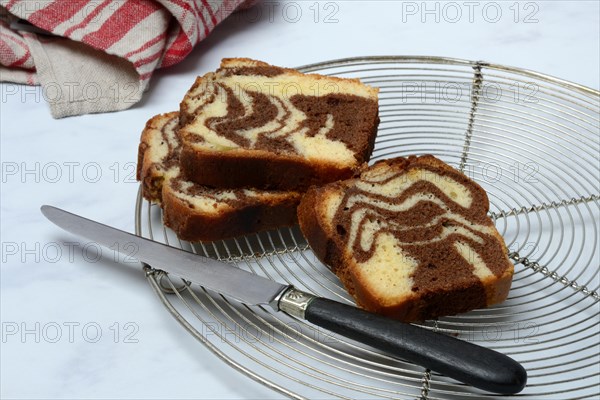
(148, 33)
(55, 13)
(14, 52)
(86, 20)
(147, 45)
(120, 23)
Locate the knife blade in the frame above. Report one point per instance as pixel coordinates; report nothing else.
(476, 365)
(241, 285)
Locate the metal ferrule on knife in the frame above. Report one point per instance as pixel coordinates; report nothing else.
(295, 302)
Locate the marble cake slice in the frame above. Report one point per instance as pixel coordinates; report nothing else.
(409, 238)
(200, 213)
(158, 155)
(251, 124)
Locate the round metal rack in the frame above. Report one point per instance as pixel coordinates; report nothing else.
(533, 142)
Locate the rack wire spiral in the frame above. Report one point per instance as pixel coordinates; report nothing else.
(533, 142)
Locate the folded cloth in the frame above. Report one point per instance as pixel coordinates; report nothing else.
(98, 56)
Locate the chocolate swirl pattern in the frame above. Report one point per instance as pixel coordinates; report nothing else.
(267, 112)
(262, 112)
(158, 155)
(412, 238)
(196, 212)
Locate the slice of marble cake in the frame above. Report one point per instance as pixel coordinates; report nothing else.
(251, 124)
(409, 238)
(200, 213)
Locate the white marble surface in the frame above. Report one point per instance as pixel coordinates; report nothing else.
(53, 301)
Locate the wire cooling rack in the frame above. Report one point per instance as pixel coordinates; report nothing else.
(533, 142)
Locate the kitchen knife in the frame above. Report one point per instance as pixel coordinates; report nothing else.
(478, 366)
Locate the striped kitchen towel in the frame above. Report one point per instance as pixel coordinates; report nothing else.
(94, 56)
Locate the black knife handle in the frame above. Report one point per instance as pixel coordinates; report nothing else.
(478, 366)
